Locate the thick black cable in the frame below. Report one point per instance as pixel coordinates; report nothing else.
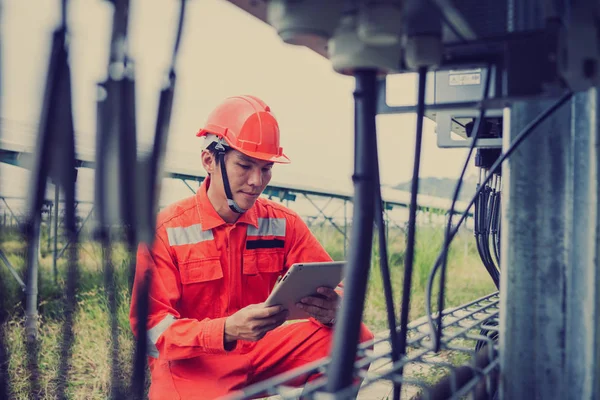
(523, 134)
(479, 219)
(179, 33)
(496, 225)
(116, 144)
(385, 272)
(138, 378)
(340, 373)
(63, 14)
(484, 235)
(154, 167)
(414, 190)
(477, 128)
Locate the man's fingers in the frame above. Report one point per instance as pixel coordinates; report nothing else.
(328, 292)
(267, 312)
(276, 319)
(316, 311)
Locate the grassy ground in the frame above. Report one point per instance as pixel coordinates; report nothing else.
(90, 364)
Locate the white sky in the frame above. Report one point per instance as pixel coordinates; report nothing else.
(224, 52)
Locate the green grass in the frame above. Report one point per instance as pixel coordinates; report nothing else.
(90, 365)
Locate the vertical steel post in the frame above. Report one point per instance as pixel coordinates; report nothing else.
(536, 231)
(49, 230)
(346, 334)
(31, 291)
(345, 228)
(583, 270)
(534, 256)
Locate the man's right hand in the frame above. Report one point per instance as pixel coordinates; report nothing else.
(253, 322)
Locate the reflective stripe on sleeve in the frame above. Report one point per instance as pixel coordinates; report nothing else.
(153, 334)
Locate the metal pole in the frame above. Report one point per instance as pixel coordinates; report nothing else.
(49, 239)
(583, 271)
(55, 251)
(536, 228)
(346, 333)
(535, 250)
(345, 228)
(32, 280)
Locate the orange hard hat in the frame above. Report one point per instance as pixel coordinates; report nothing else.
(247, 125)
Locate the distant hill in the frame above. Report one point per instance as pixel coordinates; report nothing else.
(441, 187)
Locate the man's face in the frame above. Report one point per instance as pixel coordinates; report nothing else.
(247, 176)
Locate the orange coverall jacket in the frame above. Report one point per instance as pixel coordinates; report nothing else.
(204, 270)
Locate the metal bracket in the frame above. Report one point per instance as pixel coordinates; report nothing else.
(451, 133)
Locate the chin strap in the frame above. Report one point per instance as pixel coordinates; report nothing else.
(221, 159)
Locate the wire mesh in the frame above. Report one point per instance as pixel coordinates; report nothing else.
(467, 364)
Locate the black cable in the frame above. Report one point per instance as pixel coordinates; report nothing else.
(414, 190)
(63, 14)
(138, 378)
(484, 234)
(523, 134)
(179, 33)
(478, 126)
(154, 168)
(479, 219)
(385, 271)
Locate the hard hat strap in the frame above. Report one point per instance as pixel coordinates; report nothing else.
(230, 202)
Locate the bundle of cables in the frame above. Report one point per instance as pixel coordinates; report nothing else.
(487, 214)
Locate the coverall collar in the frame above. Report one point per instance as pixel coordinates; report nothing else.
(209, 218)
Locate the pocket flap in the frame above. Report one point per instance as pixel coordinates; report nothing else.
(201, 271)
(256, 262)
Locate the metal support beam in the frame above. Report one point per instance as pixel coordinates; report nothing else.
(340, 230)
(454, 17)
(535, 251)
(11, 211)
(60, 253)
(12, 269)
(583, 270)
(188, 185)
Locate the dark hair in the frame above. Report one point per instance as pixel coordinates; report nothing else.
(211, 149)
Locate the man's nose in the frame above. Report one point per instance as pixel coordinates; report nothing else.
(255, 178)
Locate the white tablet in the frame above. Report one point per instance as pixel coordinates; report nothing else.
(302, 280)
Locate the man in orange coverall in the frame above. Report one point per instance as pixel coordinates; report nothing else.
(215, 259)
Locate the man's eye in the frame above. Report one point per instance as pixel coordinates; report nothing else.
(266, 169)
(244, 166)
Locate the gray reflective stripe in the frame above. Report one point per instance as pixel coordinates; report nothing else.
(188, 235)
(153, 334)
(268, 227)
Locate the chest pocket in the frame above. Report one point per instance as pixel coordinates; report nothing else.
(261, 268)
(202, 285)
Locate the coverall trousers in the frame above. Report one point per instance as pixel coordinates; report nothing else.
(215, 375)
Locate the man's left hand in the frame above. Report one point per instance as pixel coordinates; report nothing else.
(323, 308)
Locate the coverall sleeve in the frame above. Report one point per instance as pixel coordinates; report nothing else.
(168, 335)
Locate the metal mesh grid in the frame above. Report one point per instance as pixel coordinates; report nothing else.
(469, 333)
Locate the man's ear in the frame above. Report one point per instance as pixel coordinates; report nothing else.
(208, 161)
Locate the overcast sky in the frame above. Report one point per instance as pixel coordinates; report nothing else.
(224, 52)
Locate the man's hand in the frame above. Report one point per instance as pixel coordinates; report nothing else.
(323, 308)
(253, 322)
